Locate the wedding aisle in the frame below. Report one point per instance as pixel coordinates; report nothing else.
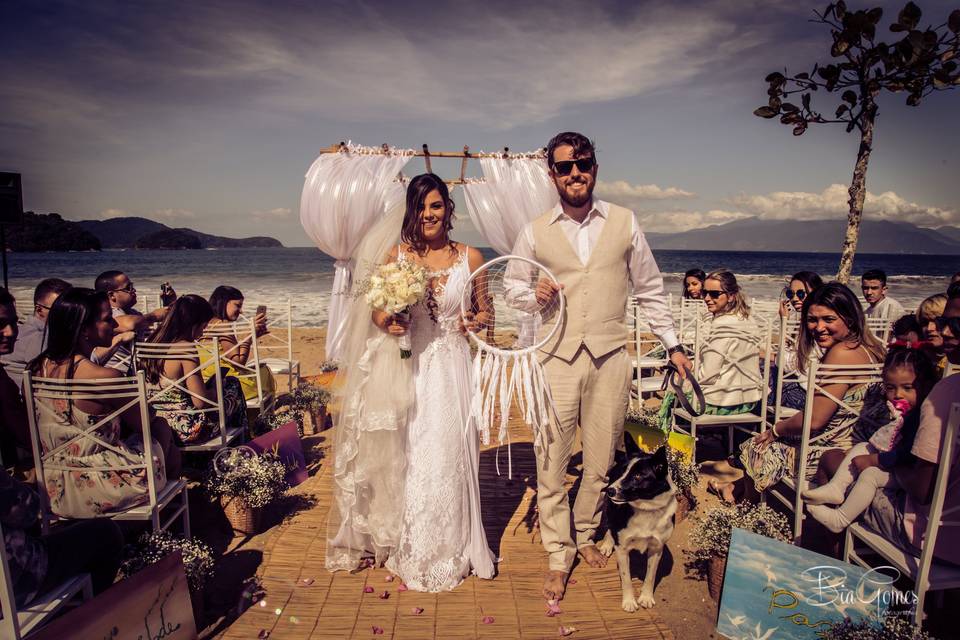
(303, 600)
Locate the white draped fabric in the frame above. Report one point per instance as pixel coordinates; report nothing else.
(515, 191)
(344, 195)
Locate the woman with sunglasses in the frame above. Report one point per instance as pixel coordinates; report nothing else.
(793, 394)
(725, 353)
(801, 284)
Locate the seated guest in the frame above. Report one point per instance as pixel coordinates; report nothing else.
(14, 431)
(79, 321)
(832, 325)
(184, 324)
(38, 565)
(693, 284)
(725, 352)
(33, 332)
(927, 313)
(907, 330)
(227, 303)
(123, 296)
(900, 514)
(873, 283)
(801, 284)
(792, 394)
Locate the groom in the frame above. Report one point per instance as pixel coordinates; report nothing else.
(600, 257)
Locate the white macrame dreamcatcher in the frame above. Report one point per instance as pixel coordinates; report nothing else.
(502, 293)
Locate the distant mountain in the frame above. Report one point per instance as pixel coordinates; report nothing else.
(168, 239)
(49, 232)
(815, 236)
(126, 233)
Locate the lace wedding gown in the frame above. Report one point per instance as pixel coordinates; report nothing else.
(441, 537)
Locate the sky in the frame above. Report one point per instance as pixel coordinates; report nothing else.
(208, 114)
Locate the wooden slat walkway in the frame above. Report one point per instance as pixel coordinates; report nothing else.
(317, 604)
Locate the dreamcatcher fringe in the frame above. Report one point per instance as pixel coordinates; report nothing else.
(497, 383)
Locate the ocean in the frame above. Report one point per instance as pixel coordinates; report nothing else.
(305, 275)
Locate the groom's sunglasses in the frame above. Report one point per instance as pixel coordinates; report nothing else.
(564, 167)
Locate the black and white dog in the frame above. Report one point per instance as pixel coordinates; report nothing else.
(641, 502)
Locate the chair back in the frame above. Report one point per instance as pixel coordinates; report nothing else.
(788, 337)
(757, 333)
(951, 369)
(278, 341)
(938, 516)
(691, 309)
(880, 327)
(238, 332)
(40, 393)
(163, 351)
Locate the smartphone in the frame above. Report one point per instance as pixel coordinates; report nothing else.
(262, 310)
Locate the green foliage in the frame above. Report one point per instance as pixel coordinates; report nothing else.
(918, 63)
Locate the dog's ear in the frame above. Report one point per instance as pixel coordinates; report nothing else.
(619, 457)
(660, 457)
(630, 444)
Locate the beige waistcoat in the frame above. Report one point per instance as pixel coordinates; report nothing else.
(596, 292)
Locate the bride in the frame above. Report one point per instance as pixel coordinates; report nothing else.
(406, 449)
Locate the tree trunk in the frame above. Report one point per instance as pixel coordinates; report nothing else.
(858, 193)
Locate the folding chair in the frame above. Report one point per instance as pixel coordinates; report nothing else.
(18, 623)
(759, 336)
(144, 351)
(927, 573)
(881, 328)
(819, 376)
(240, 331)
(787, 341)
(280, 340)
(133, 391)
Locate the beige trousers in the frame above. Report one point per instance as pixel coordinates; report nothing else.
(594, 393)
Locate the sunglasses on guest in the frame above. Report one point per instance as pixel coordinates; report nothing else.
(564, 167)
(713, 293)
(953, 323)
(801, 294)
(127, 289)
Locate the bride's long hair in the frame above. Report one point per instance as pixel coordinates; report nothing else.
(419, 188)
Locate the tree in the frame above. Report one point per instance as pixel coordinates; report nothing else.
(922, 61)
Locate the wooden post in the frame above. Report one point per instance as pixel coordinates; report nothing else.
(463, 164)
(426, 157)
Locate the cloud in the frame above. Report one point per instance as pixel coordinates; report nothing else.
(172, 215)
(273, 215)
(493, 64)
(832, 203)
(106, 214)
(622, 190)
(678, 220)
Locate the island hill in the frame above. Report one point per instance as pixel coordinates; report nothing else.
(50, 232)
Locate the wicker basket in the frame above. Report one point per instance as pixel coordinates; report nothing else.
(242, 519)
(683, 508)
(715, 571)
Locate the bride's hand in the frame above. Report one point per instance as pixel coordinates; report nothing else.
(397, 324)
(474, 322)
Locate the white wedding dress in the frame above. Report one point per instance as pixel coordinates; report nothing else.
(441, 538)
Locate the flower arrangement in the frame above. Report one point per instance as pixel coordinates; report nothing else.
(256, 481)
(684, 472)
(279, 416)
(393, 288)
(643, 417)
(328, 366)
(892, 627)
(711, 534)
(309, 397)
(150, 548)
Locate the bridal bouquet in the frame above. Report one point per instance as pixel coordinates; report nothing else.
(393, 288)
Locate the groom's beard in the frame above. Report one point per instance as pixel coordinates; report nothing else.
(579, 199)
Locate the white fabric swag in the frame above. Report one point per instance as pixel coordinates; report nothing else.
(344, 195)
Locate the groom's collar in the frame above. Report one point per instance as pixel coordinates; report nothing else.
(600, 207)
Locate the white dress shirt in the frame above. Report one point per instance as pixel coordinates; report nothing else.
(645, 278)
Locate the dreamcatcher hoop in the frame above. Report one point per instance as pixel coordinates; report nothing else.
(500, 374)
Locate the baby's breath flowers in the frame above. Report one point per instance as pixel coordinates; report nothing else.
(255, 481)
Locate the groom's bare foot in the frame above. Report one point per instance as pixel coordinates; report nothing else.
(554, 584)
(592, 556)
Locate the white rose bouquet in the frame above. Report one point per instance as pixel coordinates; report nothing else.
(393, 288)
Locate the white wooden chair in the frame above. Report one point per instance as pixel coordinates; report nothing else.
(787, 337)
(17, 623)
(819, 376)
(765, 308)
(649, 356)
(758, 335)
(145, 351)
(279, 341)
(951, 369)
(133, 391)
(927, 573)
(240, 331)
(880, 327)
(690, 310)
